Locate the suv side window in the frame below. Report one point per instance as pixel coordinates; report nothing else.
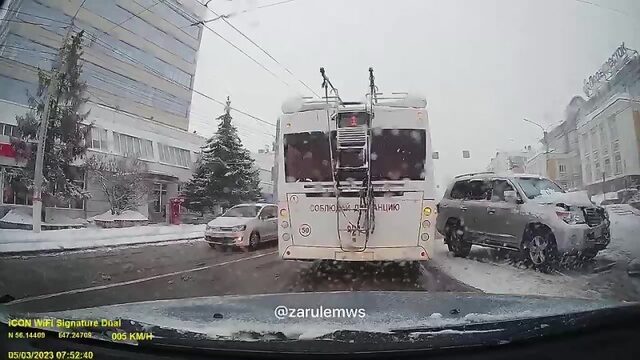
(499, 187)
(479, 190)
(459, 190)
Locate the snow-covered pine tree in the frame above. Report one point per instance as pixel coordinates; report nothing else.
(226, 174)
(65, 140)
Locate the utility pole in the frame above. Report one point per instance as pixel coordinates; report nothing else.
(545, 141)
(42, 135)
(52, 93)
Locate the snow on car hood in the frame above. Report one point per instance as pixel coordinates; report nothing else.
(231, 317)
(229, 221)
(576, 198)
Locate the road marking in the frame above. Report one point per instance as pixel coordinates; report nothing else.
(108, 286)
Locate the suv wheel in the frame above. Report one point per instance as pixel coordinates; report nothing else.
(457, 245)
(540, 250)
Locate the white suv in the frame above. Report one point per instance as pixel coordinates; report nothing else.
(244, 226)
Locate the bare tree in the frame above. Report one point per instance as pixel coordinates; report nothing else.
(122, 180)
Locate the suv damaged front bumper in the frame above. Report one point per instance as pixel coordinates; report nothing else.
(573, 239)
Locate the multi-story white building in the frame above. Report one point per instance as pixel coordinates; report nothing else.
(139, 64)
(609, 128)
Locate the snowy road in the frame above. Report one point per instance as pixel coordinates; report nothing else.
(191, 268)
(188, 269)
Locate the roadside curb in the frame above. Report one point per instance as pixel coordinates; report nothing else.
(94, 247)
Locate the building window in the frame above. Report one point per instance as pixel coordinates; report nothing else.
(14, 192)
(98, 139)
(617, 162)
(132, 146)
(587, 169)
(585, 143)
(173, 155)
(604, 142)
(9, 130)
(594, 140)
(562, 169)
(607, 166)
(613, 130)
(160, 197)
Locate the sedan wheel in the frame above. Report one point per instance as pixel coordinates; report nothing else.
(254, 239)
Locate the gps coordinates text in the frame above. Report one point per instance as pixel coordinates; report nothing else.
(283, 312)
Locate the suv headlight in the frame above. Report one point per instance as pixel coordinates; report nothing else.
(239, 228)
(571, 217)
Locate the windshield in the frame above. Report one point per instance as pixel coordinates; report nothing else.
(217, 153)
(534, 187)
(248, 211)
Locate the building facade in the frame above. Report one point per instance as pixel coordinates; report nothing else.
(509, 161)
(562, 163)
(609, 126)
(139, 63)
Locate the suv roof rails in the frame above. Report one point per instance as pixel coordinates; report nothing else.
(474, 173)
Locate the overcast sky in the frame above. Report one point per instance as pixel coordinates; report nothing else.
(482, 65)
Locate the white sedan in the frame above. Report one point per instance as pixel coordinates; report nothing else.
(244, 226)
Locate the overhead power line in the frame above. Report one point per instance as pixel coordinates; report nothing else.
(602, 6)
(247, 10)
(34, 15)
(132, 16)
(22, 21)
(261, 49)
(242, 51)
(154, 71)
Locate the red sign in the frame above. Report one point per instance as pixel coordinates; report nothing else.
(6, 150)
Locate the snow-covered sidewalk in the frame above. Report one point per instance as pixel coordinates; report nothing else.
(23, 241)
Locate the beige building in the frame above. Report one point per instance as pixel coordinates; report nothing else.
(562, 163)
(139, 64)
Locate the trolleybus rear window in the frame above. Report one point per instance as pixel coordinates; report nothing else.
(398, 154)
(307, 157)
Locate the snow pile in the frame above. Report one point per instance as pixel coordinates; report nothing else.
(127, 215)
(625, 225)
(16, 216)
(23, 217)
(578, 198)
(15, 241)
(58, 218)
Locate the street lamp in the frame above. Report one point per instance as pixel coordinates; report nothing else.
(545, 142)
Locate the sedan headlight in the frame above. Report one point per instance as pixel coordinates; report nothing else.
(239, 228)
(571, 217)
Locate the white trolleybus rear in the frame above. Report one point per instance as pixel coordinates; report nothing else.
(354, 181)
